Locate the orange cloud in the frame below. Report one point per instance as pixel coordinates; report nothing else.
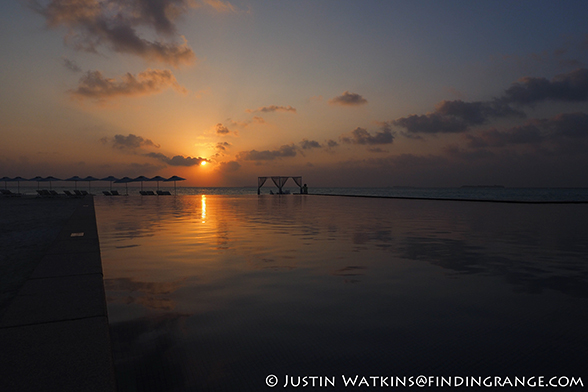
(94, 85)
(229, 167)
(272, 108)
(245, 124)
(348, 99)
(129, 143)
(285, 151)
(220, 6)
(222, 130)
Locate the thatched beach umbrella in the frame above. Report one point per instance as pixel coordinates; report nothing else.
(5, 179)
(18, 180)
(50, 179)
(74, 178)
(124, 180)
(174, 179)
(110, 179)
(38, 179)
(141, 178)
(157, 178)
(90, 179)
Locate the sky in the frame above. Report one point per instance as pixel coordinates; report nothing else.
(346, 93)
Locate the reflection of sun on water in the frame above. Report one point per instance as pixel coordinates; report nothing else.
(203, 208)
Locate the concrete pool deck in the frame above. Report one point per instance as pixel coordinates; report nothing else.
(54, 332)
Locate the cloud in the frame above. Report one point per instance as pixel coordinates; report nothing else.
(309, 144)
(526, 134)
(362, 136)
(271, 109)
(456, 117)
(569, 87)
(268, 155)
(245, 124)
(222, 146)
(567, 125)
(95, 86)
(178, 160)
(348, 99)
(376, 150)
(130, 142)
(431, 123)
(459, 116)
(220, 6)
(172, 54)
(134, 144)
(478, 112)
(93, 23)
(70, 64)
(222, 130)
(229, 167)
(562, 128)
(331, 143)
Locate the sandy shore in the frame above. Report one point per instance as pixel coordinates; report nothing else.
(28, 226)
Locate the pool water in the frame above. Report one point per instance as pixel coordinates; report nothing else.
(218, 292)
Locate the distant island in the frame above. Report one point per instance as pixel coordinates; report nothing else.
(482, 186)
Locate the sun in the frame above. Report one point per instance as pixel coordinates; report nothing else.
(203, 163)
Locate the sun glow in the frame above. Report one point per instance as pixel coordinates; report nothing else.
(203, 216)
(203, 163)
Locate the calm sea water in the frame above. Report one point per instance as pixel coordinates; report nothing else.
(473, 193)
(216, 292)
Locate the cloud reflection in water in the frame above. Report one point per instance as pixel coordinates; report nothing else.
(256, 285)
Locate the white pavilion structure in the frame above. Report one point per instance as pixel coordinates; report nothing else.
(279, 181)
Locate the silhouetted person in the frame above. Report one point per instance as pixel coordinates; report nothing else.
(304, 190)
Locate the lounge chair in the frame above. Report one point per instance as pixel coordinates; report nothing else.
(114, 193)
(53, 193)
(43, 193)
(7, 192)
(84, 193)
(68, 193)
(106, 193)
(163, 193)
(78, 193)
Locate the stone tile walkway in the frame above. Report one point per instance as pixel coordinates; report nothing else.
(54, 334)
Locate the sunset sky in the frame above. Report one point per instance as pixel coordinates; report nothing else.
(343, 93)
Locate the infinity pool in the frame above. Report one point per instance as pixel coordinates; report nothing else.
(219, 292)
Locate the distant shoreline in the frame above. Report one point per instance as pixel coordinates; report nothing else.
(468, 200)
(483, 186)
